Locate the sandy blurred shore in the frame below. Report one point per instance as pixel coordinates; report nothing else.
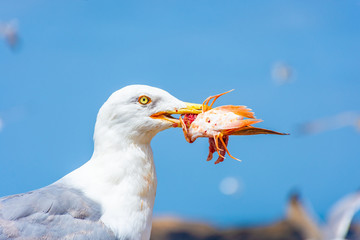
(297, 224)
(176, 229)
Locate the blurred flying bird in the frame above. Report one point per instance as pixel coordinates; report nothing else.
(9, 31)
(337, 222)
(281, 73)
(343, 119)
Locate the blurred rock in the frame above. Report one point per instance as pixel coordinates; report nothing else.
(298, 224)
(175, 229)
(300, 217)
(354, 232)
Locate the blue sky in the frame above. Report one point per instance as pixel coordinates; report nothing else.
(74, 54)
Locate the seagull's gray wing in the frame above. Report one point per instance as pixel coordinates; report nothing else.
(52, 212)
(340, 216)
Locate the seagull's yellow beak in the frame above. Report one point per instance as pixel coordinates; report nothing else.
(191, 108)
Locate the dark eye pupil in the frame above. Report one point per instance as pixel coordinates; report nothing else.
(144, 100)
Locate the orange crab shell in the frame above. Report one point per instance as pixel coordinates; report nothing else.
(220, 122)
(225, 120)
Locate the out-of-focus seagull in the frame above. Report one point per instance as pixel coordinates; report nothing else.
(337, 222)
(112, 195)
(343, 119)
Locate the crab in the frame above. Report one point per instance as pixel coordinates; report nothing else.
(218, 124)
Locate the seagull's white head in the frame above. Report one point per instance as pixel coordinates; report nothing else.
(137, 113)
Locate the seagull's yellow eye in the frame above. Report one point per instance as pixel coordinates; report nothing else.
(144, 100)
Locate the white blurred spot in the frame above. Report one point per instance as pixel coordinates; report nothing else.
(281, 73)
(1, 124)
(229, 186)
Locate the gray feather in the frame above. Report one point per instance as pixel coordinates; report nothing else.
(52, 212)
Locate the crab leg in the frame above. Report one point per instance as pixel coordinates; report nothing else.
(184, 128)
(222, 141)
(216, 138)
(205, 105)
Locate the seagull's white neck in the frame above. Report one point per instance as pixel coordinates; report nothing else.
(121, 177)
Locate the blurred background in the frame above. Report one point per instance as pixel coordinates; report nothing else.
(295, 63)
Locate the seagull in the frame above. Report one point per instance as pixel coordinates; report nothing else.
(112, 195)
(337, 222)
